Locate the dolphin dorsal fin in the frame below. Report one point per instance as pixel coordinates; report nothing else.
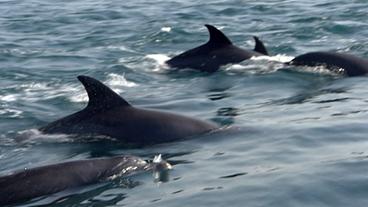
(217, 37)
(100, 96)
(260, 48)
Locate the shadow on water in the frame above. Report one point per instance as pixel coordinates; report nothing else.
(226, 116)
(311, 93)
(98, 194)
(318, 84)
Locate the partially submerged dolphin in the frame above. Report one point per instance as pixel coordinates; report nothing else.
(218, 51)
(32, 183)
(351, 65)
(109, 114)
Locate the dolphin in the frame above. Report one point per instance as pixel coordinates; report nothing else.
(218, 51)
(108, 114)
(351, 65)
(35, 182)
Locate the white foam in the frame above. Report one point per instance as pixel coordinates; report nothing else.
(235, 67)
(282, 58)
(35, 86)
(119, 80)
(31, 135)
(260, 64)
(166, 29)
(157, 159)
(32, 92)
(12, 113)
(75, 92)
(160, 60)
(9, 98)
(78, 94)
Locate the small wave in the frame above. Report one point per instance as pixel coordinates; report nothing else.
(22, 52)
(119, 80)
(116, 48)
(126, 49)
(11, 113)
(78, 95)
(43, 90)
(8, 98)
(34, 91)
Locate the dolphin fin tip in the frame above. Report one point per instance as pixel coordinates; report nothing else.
(100, 96)
(216, 36)
(259, 47)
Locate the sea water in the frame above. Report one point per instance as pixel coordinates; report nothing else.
(292, 136)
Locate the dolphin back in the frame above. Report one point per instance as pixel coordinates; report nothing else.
(31, 183)
(218, 51)
(351, 64)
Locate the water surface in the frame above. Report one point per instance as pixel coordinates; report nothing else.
(299, 135)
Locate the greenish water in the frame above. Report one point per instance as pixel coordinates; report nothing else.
(301, 137)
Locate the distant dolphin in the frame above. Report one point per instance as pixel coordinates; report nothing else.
(218, 51)
(109, 114)
(352, 65)
(32, 183)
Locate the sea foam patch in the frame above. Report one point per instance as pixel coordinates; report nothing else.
(30, 135)
(119, 80)
(277, 58)
(160, 60)
(166, 29)
(261, 64)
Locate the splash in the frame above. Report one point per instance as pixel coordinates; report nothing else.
(157, 159)
(166, 29)
(36, 91)
(260, 64)
(160, 168)
(9, 98)
(282, 58)
(119, 80)
(160, 60)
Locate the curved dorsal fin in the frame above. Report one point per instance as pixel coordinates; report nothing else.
(259, 47)
(100, 96)
(217, 37)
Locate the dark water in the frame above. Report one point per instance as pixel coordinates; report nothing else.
(301, 137)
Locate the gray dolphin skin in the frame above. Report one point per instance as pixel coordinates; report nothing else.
(218, 51)
(352, 65)
(110, 115)
(32, 183)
